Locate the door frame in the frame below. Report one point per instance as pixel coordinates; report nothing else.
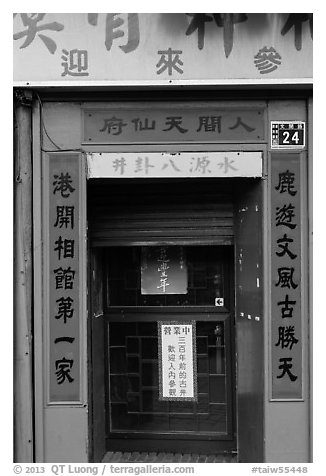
(234, 446)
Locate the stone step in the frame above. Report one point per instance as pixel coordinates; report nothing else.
(152, 457)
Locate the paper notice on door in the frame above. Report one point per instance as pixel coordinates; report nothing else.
(177, 360)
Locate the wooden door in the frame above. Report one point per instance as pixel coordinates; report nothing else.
(136, 418)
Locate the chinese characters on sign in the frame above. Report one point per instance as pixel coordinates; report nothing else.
(267, 60)
(64, 345)
(116, 27)
(196, 125)
(164, 270)
(169, 61)
(286, 278)
(287, 134)
(33, 24)
(177, 360)
(183, 164)
(222, 20)
(296, 21)
(75, 63)
(203, 46)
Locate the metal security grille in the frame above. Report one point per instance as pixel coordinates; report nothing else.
(154, 213)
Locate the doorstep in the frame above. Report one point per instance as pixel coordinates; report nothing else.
(137, 457)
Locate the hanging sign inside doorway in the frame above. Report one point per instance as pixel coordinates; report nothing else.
(163, 270)
(286, 291)
(177, 360)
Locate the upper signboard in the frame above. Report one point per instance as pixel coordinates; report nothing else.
(161, 48)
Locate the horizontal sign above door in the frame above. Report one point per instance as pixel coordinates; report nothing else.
(142, 125)
(181, 164)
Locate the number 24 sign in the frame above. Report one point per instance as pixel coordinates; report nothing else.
(288, 134)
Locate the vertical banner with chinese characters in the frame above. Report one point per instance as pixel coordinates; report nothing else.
(177, 360)
(286, 289)
(64, 365)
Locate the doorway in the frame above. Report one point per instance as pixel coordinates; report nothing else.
(202, 224)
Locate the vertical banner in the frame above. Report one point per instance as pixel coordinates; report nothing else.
(286, 335)
(64, 363)
(177, 360)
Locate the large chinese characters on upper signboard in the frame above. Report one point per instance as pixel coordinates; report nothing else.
(156, 47)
